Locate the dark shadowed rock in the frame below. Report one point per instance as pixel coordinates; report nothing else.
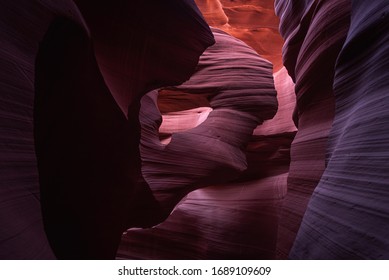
(23, 25)
(86, 149)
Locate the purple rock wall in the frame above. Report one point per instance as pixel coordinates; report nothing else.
(60, 118)
(314, 33)
(347, 216)
(337, 202)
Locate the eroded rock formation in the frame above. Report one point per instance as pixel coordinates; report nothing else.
(72, 77)
(306, 53)
(235, 220)
(241, 92)
(21, 234)
(74, 63)
(347, 216)
(333, 51)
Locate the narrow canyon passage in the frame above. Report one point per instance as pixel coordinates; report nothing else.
(194, 129)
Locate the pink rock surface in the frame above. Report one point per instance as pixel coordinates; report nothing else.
(181, 121)
(232, 221)
(243, 96)
(235, 220)
(283, 120)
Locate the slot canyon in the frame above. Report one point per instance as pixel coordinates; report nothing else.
(194, 129)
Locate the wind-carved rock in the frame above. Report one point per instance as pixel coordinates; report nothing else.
(347, 216)
(242, 95)
(72, 77)
(23, 25)
(238, 207)
(337, 201)
(314, 33)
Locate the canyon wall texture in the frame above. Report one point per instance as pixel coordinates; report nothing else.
(224, 146)
(61, 71)
(306, 53)
(21, 232)
(209, 163)
(337, 202)
(347, 216)
(239, 86)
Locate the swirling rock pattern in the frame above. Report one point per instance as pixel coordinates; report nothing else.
(235, 220)
(72, 77)
(347, 216)
(232, 221)
(86, 144)
(314, 33)
(242, 97)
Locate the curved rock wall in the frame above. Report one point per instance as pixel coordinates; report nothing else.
(232, 220)
(21, 29)
(126, 34)
(72, 77)
(74, 132)
(242, 96)
(314, 34)
(337, 191)
(347, 216)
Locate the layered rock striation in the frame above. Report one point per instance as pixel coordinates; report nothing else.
(235, 215)
(72, 79)
(242, 95)
(217, 157)
(347, 216)
(22, 234)
(314, 33)
(336, 206)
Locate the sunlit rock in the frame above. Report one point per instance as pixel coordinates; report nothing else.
(252, 21)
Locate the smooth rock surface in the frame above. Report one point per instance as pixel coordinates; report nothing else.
(22, 234)
(347, 216)
(243, 96)
(235, 220)
(139, 46)
(314, 33)
(84, 144)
